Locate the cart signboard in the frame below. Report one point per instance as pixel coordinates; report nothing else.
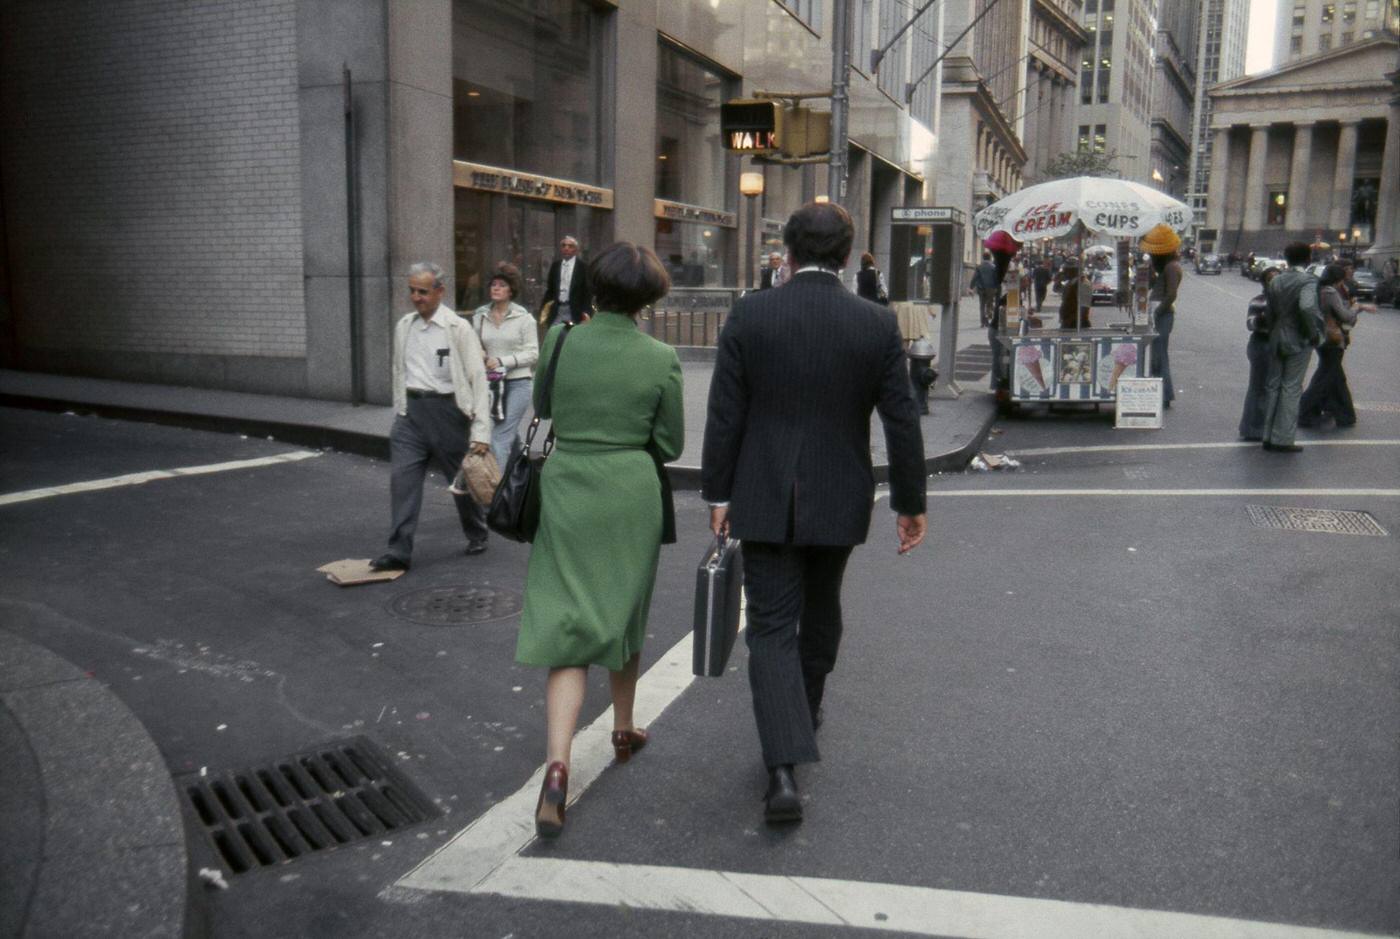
(1139, 404)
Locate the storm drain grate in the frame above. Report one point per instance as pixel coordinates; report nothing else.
(1385, 407)
(304, 804)
(1328, 521)
(456, 606)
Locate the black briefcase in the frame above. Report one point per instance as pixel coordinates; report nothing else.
(717, 584)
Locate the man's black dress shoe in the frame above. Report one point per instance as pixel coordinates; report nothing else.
(1283, 447)
(817, 717)
(387, 562)
(475, 547)
(782, 802)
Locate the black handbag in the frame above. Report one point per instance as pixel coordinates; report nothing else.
(717, 584)
(515, 507)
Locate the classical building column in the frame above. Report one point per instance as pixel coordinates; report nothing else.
(1254, 177)
(1298, 178)
(1217, 191)
(1340, 218)
(1388, 208)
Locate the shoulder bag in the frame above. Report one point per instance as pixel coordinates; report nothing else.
(515, 507)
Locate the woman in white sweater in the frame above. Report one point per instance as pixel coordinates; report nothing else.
(507, 332)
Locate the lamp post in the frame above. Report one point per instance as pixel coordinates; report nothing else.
(751, 185)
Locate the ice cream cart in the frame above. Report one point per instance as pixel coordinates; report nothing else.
(1072, 362)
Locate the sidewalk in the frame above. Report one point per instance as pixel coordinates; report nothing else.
(91, 839)
(952, 432)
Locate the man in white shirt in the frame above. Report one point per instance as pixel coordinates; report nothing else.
(567, 286)
(442, 409)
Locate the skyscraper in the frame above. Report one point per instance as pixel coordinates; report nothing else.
(1115, 83)
(1223, 30)
(1173, 94)
(1306, 27)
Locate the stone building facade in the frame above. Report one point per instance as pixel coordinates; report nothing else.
(1051, 81)
(1173, 95)
(1308, 151)
(1304, 28)
(173, 185)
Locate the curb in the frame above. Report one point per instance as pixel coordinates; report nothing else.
(683, 477)
(112, 858)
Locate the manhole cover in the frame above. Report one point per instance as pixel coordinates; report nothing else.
(1329, 521)
(456, 606)
(1387, 407)
(303, 804)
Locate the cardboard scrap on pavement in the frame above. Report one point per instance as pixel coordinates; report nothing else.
(352, 571)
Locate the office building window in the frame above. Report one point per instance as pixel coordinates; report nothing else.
(1347, 36)
(808, 11)
(1100, 141)
(1324, 42)
(1329, 12)
(1349, 11)
(1086, 87)
(533, 104)
(1104, 78)
(1295, 44)
(1083, 146)
(1278, 207)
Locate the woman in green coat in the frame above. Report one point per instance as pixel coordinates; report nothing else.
(617, 411)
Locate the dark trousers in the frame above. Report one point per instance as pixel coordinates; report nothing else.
(1328, 392)
(433, 431)
(1040, 296)
(1161, 363)
(1252, 418)
(793, 594)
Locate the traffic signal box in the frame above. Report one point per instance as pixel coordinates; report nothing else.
(764, 126)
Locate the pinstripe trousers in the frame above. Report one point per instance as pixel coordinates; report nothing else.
(793, 595)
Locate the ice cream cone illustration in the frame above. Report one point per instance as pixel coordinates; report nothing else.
(1029, 356)
(1124, 355)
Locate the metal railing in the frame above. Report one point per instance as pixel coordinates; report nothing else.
(690, 316)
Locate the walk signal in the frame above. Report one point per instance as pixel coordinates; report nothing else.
(750, 126)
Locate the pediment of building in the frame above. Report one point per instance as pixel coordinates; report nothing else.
(1359, 66)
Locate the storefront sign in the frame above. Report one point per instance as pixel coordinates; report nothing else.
(510, 183)
(930, 213)
(1139, 403)
(680, 212)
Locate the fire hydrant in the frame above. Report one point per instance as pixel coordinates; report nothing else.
(922, 375)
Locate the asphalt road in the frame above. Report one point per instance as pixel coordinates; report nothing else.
(1080, 689)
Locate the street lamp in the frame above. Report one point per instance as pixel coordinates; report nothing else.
(751, 185)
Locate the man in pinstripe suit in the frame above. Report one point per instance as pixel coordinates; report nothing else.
(786, 469)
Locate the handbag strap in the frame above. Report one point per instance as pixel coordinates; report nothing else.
(546, 388)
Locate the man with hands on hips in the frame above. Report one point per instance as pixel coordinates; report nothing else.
(789, 474)
(442, 409)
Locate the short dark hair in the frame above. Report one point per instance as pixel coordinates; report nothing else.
(626, 277)
(986, 255)
(1296, 253)
(508, 274)
(866, 260)
(1331, 274)
(819, 233)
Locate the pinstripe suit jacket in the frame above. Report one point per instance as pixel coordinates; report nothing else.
(787, 437)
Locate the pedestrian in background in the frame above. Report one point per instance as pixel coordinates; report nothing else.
(566, 287)
(870, 283)
(508, 336)
(618, 415)
(772, 275)
(1257, 352)
(1041, 278)
(987, 285)
(793, 481)
(1161, 243)
(1328, 392)
(1295, 327)
(442, 409)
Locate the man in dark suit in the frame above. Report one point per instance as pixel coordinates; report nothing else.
(567, 285)
(772, 275)
(786, 469)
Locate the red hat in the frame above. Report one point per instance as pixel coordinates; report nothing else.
(1001, 241)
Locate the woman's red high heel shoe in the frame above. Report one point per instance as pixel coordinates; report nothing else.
(627, 742)
(549, 811)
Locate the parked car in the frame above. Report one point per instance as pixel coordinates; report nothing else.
(1208, 264)
(1388, 292)
(1105, 288)
(1366, 283)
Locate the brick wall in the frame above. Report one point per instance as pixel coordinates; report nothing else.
(152, 174)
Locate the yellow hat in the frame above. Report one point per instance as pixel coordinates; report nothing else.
(1160, 240)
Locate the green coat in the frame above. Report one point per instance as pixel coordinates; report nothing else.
(593, 561)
